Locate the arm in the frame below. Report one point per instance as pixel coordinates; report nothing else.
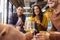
(44, 23)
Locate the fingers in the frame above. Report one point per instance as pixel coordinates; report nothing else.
(40, 37)
(29, 35)
(38, 21)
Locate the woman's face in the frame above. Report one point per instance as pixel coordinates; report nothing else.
(36, 10)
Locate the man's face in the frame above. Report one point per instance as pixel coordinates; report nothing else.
(59, 1)
(52, 3)
(20, 11)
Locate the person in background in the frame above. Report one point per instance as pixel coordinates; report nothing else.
(39, 19)
(18, 19)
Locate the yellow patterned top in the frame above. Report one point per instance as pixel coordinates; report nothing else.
(48, 13)
(44, 22)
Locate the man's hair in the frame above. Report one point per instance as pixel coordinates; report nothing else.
(20, 6)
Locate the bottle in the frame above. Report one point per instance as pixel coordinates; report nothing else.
(49, 26)
(33, 26)
(27, 24)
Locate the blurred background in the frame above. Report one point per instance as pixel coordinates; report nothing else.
(8, 7)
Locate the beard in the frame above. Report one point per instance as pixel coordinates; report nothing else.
(52, 5)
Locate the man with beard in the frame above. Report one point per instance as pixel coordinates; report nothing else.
(18, 19)
(55, 19)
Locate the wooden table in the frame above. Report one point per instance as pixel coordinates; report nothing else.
(52, 35)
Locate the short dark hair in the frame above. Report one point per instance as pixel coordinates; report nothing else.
(20, 6)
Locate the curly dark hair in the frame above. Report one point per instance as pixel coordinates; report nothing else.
(40, 14)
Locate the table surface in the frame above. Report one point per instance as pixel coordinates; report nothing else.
(49, 33)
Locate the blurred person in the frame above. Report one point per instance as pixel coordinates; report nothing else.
(39, 19)
(55, 18)
(18, 19)
(52, 12)
(9, 32)
(48, 12)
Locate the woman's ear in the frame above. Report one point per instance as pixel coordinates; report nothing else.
(59, 1)
(3, 32)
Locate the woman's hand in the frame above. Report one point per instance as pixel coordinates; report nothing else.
(29, 36)
(38, 22)
(42, 37)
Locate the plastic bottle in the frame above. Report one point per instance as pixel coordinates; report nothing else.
(49, 26)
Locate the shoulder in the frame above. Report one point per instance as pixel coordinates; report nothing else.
(48, 11)
(10, 30)
(32, 18)
(23, 15)
(14, 15)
